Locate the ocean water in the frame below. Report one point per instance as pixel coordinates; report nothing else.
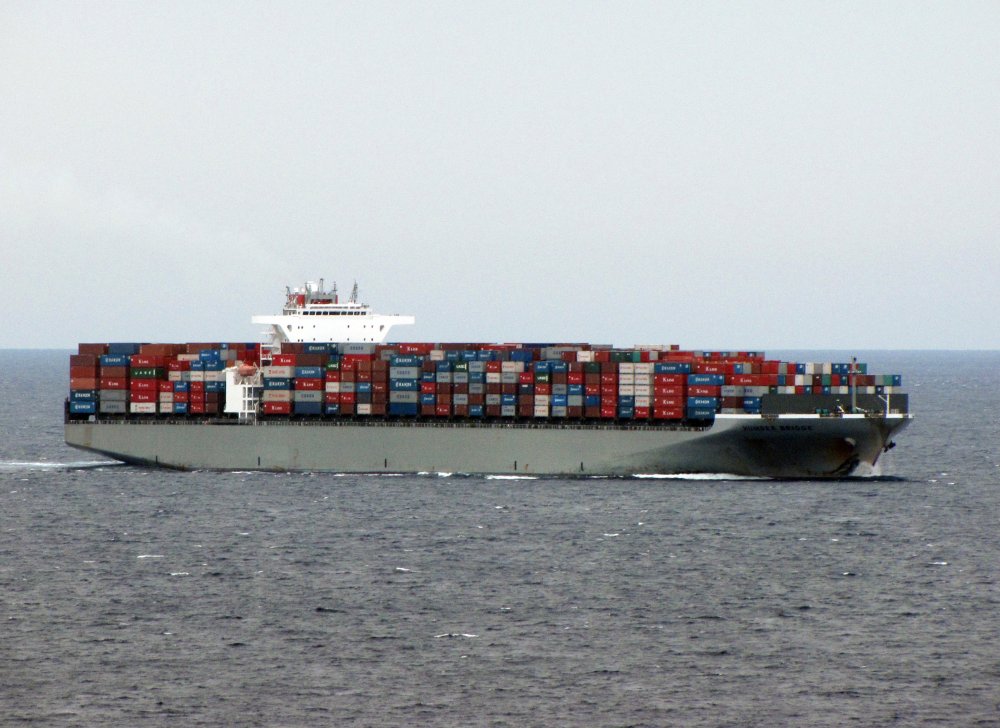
(156, 598)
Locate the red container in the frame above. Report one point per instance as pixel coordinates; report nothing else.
(331, 398)
(668, 413)
(277, 408)
(642, 413)
(78, 372)
(147, 385)
(146, 361)
(197, 387)
(574, 378)
(175, 365)
(609, 390)
(83, 383)
(543, 389)
(114, 372)
(83, 360)
(592, 390)
(112, 383)
(668, 391)
(181, 397)
(198, 407)
(137, 396)
(669, 402)
(91, 349)
(304, 384)
(670, 379)
(608, 412)
(742, 380)
(427, 410)
(442, 410)
(609, 378)
(284, 360)
(525, 410)
(701, 390)
(493, 410)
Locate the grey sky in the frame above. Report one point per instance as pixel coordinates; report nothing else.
(719, 175)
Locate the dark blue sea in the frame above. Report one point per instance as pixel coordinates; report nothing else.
(135, 597)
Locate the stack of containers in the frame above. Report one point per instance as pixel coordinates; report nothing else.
(331, 386)
(145, 371)
(276, 399)
(404, 384)
(308, 387)
(113, 379)
(83, 379)
(670, 389)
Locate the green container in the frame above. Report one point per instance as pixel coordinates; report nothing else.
(147, 373)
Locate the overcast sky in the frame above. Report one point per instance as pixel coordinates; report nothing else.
(757, 175)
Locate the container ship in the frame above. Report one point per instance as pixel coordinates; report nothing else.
(325, 392)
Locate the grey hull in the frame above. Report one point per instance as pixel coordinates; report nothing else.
(789, 446)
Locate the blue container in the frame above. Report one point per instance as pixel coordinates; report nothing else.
(404, 385)
(626, 401)
(671, 367)
(214, 365)
(626, 412)
(208, 355)
(363, 387)
(522, 355)
(83, 395)
(332, 409)
(307, 408)
(309, 372)
(592, 400)
(574, 390)
(751, 403)
(83, 408)
(700, 413)
(197, 366)
(800, 368)
(403, 408)
(476, 410)
(707, 402)
(408, 360)
(182, 386)
(115, 360)
(559, 400)
(128, 349)
(428, 377)
(277, 383)
(559, 367)
(442, 366)
(508, 400)
(477, 377)
(897, 380)
(316, 347)
(215, 386)
(542, 366)
(180, 408)
(707, 380)
(428, 400)
(487, 355)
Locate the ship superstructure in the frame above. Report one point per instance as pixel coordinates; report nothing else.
(312, 313)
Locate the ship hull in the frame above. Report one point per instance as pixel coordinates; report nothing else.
(789, 446)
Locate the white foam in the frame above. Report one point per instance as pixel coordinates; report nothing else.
(149, 556)
(697, 476)
(15, 465)
(512, 477)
